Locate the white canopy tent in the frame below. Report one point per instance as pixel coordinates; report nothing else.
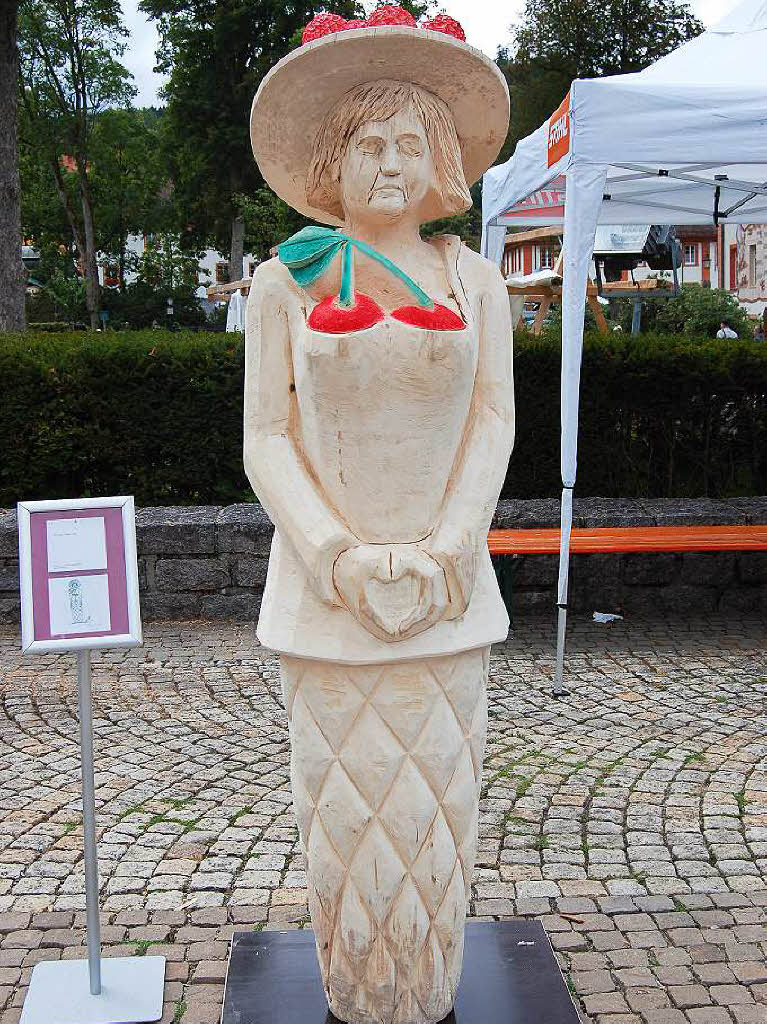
(682, 142)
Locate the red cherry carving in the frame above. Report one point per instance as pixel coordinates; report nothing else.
(442, 23)
(322, 25)
(355, 23)
(329, 317)
(391, 14)
(440, 318)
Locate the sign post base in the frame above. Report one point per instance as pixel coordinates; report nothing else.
(131, 992)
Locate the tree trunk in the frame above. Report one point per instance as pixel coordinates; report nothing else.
(237, 248)
(91, 268)
(12, 273)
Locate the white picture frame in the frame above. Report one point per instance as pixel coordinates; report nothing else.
(124, 620)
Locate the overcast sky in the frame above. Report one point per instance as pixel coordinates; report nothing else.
(486, 23)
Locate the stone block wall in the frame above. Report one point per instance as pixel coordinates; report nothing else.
(210, 562)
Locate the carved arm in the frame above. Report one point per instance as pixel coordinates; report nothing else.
(480, 467)
(274, 465)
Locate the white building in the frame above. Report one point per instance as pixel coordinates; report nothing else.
(745, 264)
(213, 267)
(526, 252)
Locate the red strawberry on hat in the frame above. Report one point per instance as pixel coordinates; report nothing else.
(391, 14)
(443, 23)
(322, 25)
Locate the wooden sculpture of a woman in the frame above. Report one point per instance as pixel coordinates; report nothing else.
(379, 418)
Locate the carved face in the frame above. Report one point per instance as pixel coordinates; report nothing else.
(387, 170)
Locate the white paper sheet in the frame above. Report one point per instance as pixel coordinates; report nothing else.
(79, 604)
(77, 543)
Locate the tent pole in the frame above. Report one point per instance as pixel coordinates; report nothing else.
(559, 690)
(585, 191)
(566, 525)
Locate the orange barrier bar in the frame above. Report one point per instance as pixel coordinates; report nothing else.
(631, 538)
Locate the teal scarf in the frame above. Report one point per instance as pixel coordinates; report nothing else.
(309, 253)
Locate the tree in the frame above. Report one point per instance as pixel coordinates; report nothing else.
(12, 273)
(559, 40)
(216, 52)
(129, 183)
(70, 72)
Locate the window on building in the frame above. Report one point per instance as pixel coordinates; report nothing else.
(222, 272)
(111, 276)
(691, 254)
(752, 266)
(545, 257)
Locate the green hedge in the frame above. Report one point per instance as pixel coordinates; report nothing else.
(148, 413)
(159, 416)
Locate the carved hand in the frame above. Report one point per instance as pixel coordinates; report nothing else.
(395, 591)
(455, 553)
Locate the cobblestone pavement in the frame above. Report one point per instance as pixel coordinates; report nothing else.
(631, 817)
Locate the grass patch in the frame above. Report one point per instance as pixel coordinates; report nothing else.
(142, 945)
(523, 785)
(177, 805)
(239, 814)
(693, 759)
(510, 818)
(133, 809)
(742, 801)
(180, 1011)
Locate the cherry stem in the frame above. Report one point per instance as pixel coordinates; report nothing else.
(421, 297)
(347, 297)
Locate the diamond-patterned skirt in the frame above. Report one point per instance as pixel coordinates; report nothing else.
(386, 762)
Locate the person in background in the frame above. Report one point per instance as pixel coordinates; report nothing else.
(725, 331)
(759, 332)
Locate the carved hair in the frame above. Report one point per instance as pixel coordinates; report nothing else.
(378, 101)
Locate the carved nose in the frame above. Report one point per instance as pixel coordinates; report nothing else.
(391, 165)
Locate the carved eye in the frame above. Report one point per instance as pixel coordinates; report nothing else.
(411, 146)
(370, 146)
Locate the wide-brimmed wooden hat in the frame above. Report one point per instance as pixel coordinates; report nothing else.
(299, 91)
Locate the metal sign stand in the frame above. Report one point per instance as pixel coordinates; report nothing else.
(116, 990)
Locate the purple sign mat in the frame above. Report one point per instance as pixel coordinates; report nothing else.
(114, 571)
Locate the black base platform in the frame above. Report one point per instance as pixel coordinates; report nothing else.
(509, 976)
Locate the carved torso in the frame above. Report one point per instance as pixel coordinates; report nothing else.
(379, 420)
(382, 412)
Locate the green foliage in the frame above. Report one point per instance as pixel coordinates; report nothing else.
(69, 73)
(159, 415)
(131, 193)
(68, 296)
(660, 416)
(268, 220)
(152, 414)
(467, 225)
(140, 305)
(216, 52)
(165, 265)
(696, 311)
